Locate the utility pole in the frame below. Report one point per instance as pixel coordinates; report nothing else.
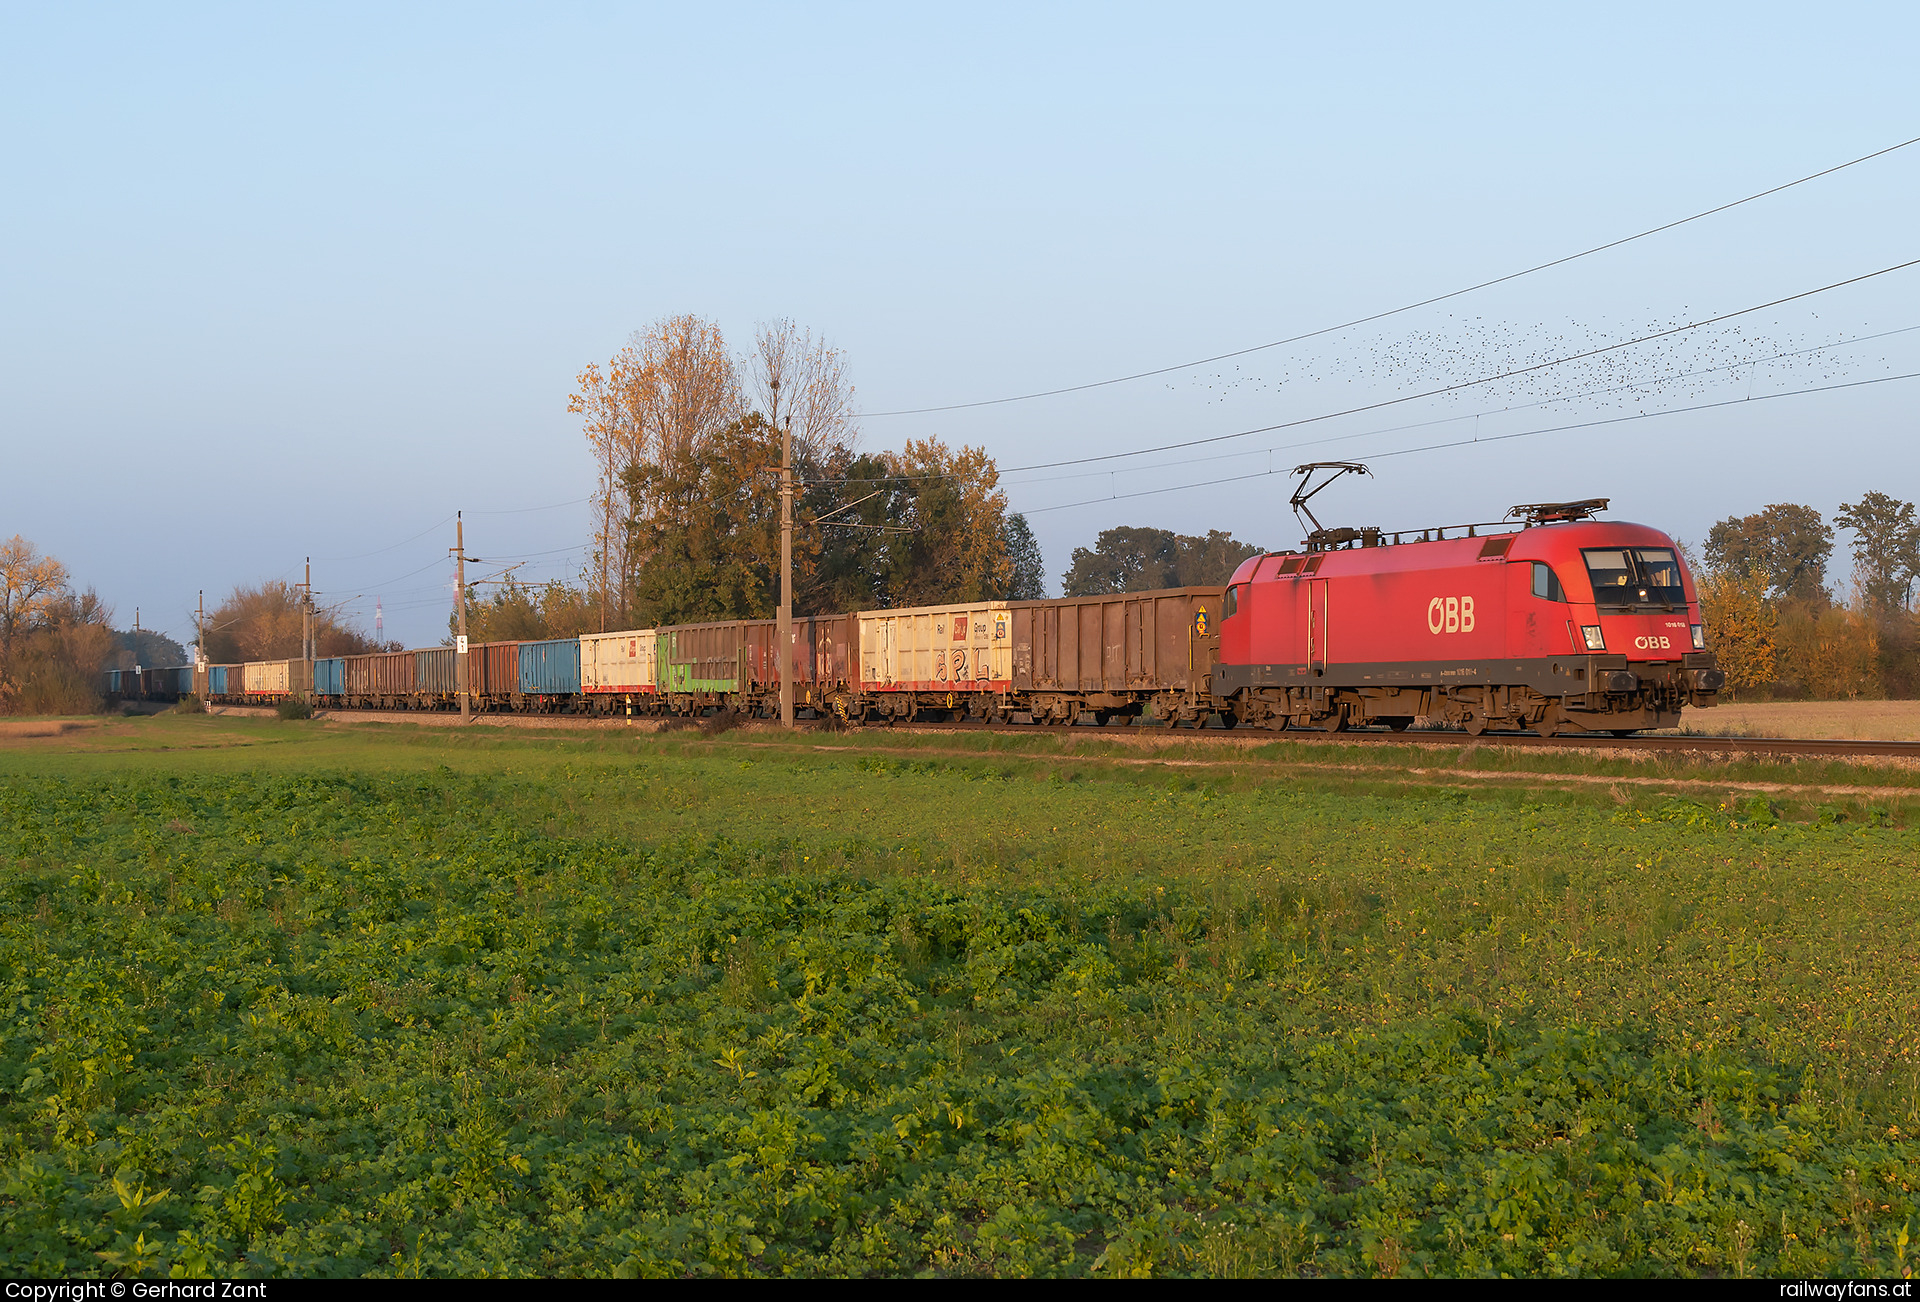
(460, 676)
(201, 684)
(786, 566)
(306, 627)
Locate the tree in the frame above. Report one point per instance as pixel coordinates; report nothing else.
(957, 550)
(857, 550)
(613, 434)
(1029, 581)
(264, 623)
(31, 586)
(1787, 544)
(671, 388)
(1743, 626)
(53, 641)
(711, 540)
(1886, 550)
(147, 649)
(1831, 654)
(1135, 559)
(687, 508)
(800, 381)
(517, 612)
(924, 526)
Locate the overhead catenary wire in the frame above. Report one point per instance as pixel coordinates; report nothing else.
(360, 556)
(1627, 387)
(1383, 403)
(1397, 311)
(522, 510)
(1490, 438)
(1474, 383)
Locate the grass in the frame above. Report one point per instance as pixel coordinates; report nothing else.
(405, 1001)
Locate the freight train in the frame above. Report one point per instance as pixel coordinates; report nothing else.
(1551, 620)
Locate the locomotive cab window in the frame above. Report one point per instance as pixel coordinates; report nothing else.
(1659, 575)
(1546, 583)
(1635, 576)
(1232, 602)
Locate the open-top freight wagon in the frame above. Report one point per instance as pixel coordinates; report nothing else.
(1127, 655)
(735, 664)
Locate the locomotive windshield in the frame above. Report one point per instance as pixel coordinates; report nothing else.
(1635, 576)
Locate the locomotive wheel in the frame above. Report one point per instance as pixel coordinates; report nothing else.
(1335, 722)
(1399, 722)
(1624, 732)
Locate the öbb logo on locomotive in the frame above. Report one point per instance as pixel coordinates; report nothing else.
(1450, 615)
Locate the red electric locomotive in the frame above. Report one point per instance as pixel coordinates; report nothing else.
(1552, 620)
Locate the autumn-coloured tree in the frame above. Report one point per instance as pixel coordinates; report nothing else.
(53, 641)
(957, 550)
(687, 508)
(613, 434)
(684, 388)
(1833, 653)
(1743, 626)
(263, 622)
(30, 586)
(671, 388)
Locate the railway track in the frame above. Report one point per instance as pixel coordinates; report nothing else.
(1731, 746)
(1837, 748)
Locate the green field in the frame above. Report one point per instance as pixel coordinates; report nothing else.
(291, 999)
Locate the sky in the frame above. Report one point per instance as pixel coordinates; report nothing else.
(281, 282)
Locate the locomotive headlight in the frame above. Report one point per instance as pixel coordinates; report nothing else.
(1594, 641)
(1699, 637)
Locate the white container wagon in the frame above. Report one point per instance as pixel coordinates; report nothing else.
(620, 664)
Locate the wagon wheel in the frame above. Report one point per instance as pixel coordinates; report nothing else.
(1399, 722)
(1623, 732)
(1550, 725)
(1476, 724)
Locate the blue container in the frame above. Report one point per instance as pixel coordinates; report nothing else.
(550, 668)
(330, 677)
(217, 681)
(113, 681)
